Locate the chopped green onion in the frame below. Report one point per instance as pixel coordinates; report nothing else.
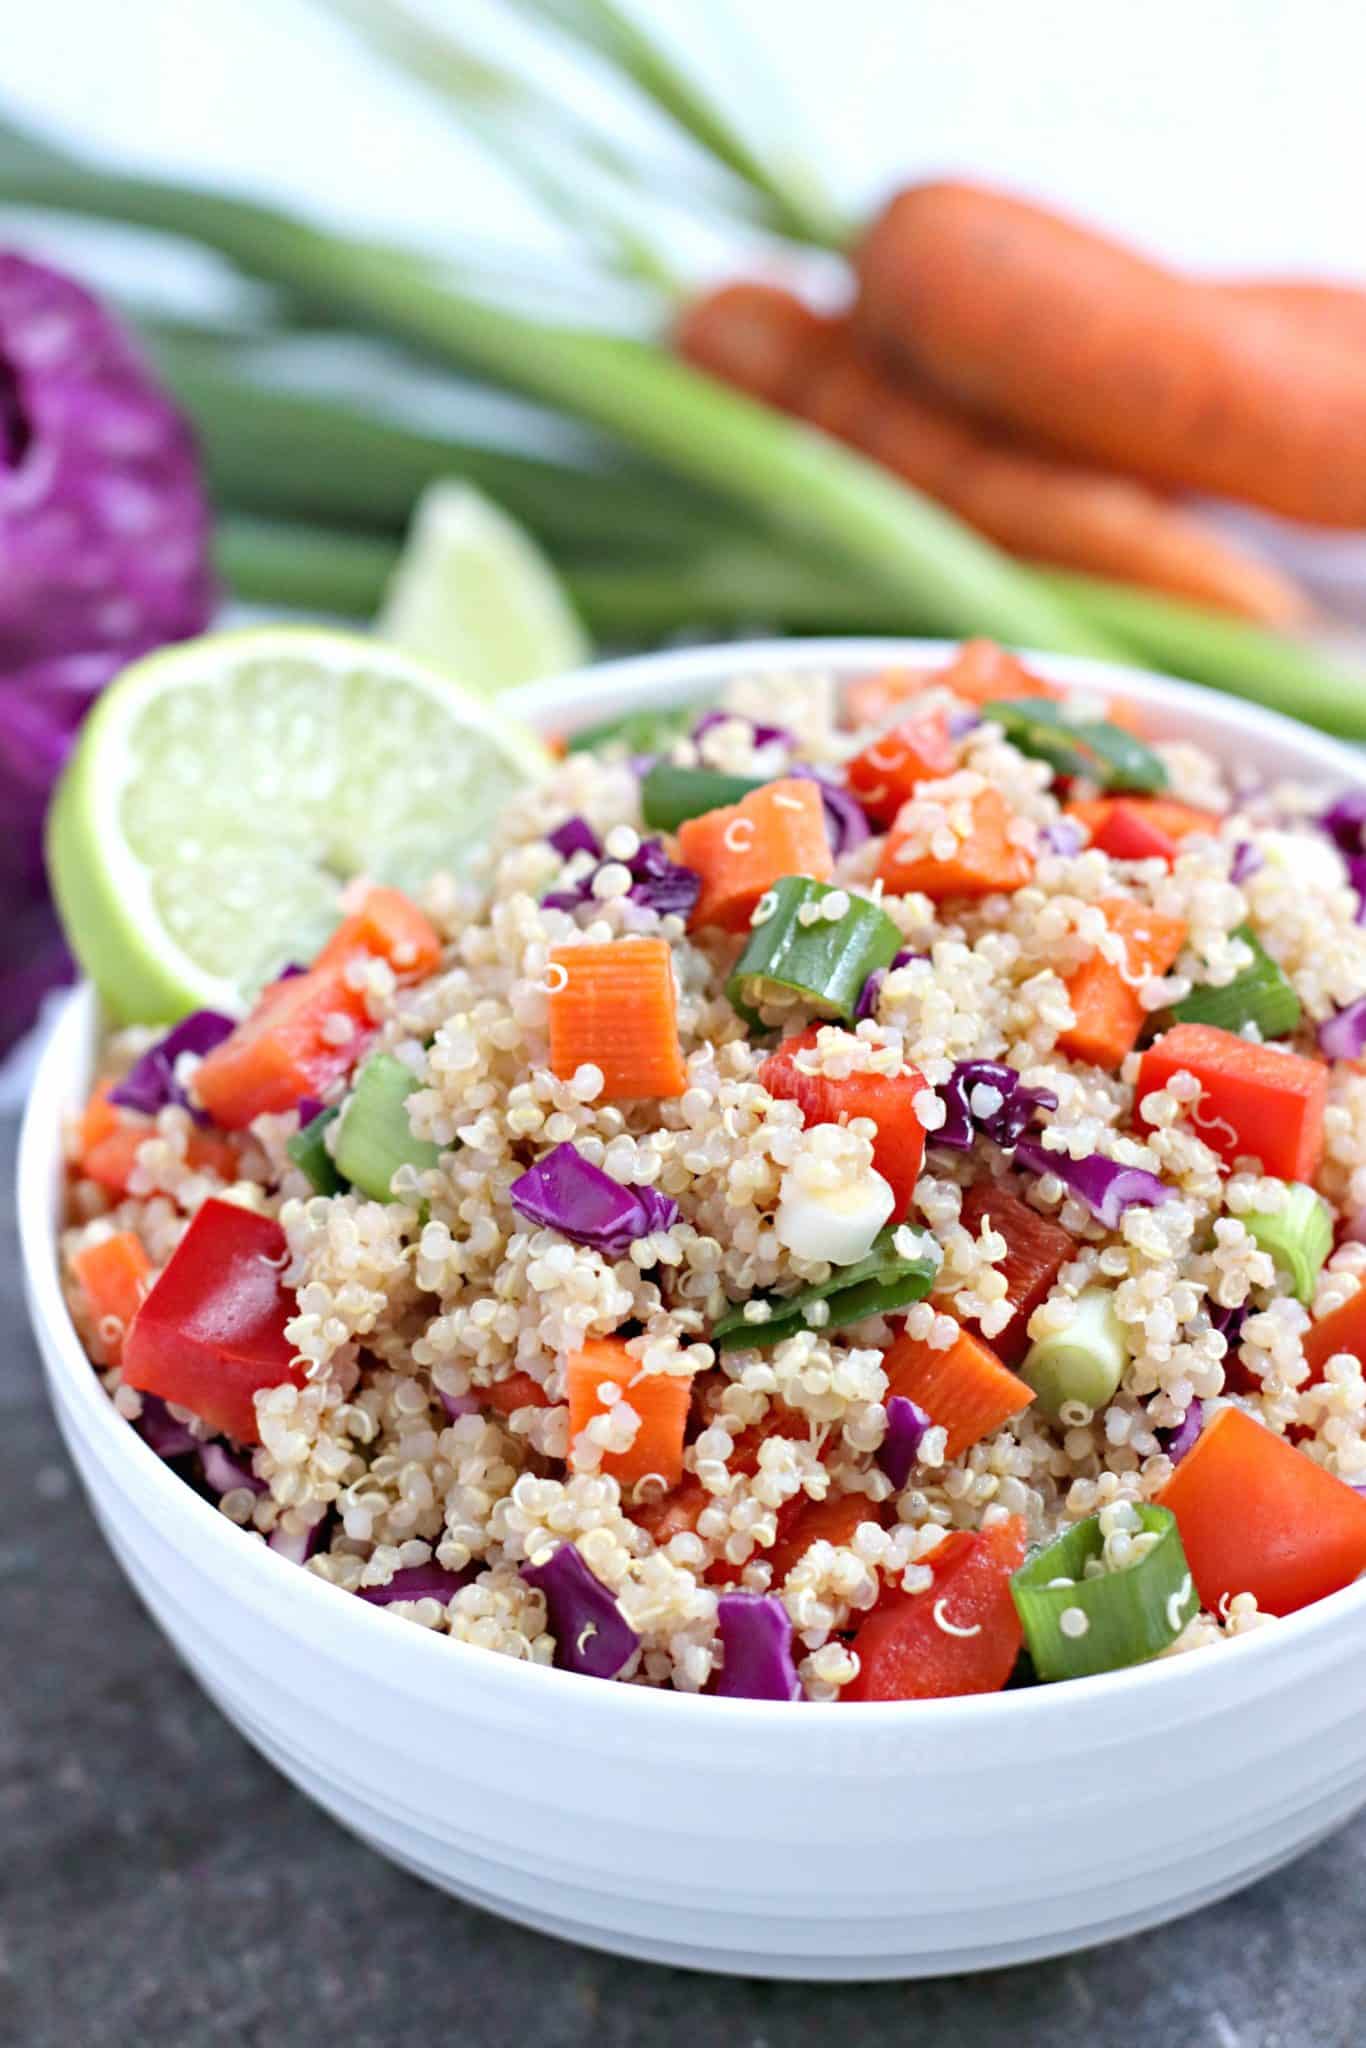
(1260, 995)
(884, 1281)
(821, 960)
(1299, 1236)
(637, 732)
(1092, 747)
(311, 1156)
(1077, 1624)
(374, 1137)
(670, 795)
(1083, 1363)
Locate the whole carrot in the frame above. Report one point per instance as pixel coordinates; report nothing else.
(770, 344)
(1050, 328)
(1335, 312)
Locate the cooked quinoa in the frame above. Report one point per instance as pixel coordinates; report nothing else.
(390, 1447)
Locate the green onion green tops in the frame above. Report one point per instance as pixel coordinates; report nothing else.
(1260, 995)
(311, 1156)
(898, 1270)
(669, 795)
(374, 1137)
(1085, 1362)
(1080, 1618)
(1298, 1235)
(1103, 753)
(817, 943)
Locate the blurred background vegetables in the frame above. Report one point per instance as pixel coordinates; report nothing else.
(735, 407)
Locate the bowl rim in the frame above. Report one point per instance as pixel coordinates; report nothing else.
(577, 698)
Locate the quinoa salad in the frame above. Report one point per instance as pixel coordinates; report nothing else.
(861, 1196)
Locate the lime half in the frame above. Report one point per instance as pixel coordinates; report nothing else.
(473, 595)
(223, 791)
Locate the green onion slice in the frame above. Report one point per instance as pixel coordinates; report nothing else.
(795, 954)
(1075, 1626)
(1105, 754)
(670, 795)
(374, 1137)
(638, 732)
(1260, 995)
(1085, 1362)
(1298, 1235)
(311, 1156)
(884, 1281)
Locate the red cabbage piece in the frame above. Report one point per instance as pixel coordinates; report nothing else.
(656, 881)
(871, 992)
(1343, 1035)
(104, 540)
(457, 1405)
(756, 1645)
(150, 1082)
(592, 1635)
(224, 1473)
(418, 1582)
(158, 1427)
(1246, 861)
(1176, 1442)
(566, 1192)
(845, 819)
(576, 835)
(1356, 876)
(296, 1547)
(899, 1449)
(1063, 835)
(1345, 821)
(967, 1099)
(762, 733)
(1106, 1187)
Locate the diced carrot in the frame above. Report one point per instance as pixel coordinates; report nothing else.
(289, 1046)
(1140, 828)
(887, 772)
(982, 672)
(613, 1007)
(876, 700)
(389, 926)
(743, 849)
(1036, 1248)
(1255, 1101)
(986, 861)
(111, 1161)
(659, 1399)
(113, 1277)
(99, 1120)
(965, 1390)
(518, 1390)
(961, 1635)
(832, 1520)
(1344, 1329)
(887, 1099)
(1104, 998)
(1257, 1516)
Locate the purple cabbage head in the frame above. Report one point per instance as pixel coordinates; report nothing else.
(592, 1635)
(104, 540)
(756, 1645)
(566, 1192)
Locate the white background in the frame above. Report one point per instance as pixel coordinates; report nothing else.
(1223, 132)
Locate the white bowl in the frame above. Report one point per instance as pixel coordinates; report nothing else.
(812, 1841)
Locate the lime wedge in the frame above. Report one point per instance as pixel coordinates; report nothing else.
(473, 595)
(224, 790)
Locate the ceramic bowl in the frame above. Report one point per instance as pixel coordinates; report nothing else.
(817, 1841)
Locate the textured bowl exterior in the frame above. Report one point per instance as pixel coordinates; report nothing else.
(818, 1841)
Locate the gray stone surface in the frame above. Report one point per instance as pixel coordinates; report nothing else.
(161, 1887)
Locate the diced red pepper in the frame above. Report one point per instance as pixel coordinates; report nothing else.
(211, 1334)
(1255, 1100)
(889, 771)
(1035, 1249)
(113, 1277)
(962, 1635)
(887, 1099)
(1140, 828)
(387, 926)
(802, 1522)
(290, 1046)
(518, 1390)
(1344, 1329)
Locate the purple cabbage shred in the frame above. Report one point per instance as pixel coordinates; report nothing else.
(297, 1546)
(657, 882)
(1176, 1442)
(457, 1405)
(576, 835)
(223, 1473)
(418, 1582)
(566, 1192)
(159, 1429)
(592, 1635)
(871, 992)
(1063, 836)
(845, 818)
(971, 1112)
(1247, 859)
(899, 1449)
(756, 1646)
(150, 1082)
(1356, 876)
(1106, 1187)
(1345, 821)
(763, 734)
(1343, 1035)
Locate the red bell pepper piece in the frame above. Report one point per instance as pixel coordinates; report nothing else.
(1255, 1100)
(887, 1099)
(888, 771)
(289, 1047)
(962, 1635)
(1140, 827)
(211, 1333)
(1035, 1249)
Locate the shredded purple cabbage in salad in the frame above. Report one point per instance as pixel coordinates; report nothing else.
(1062, 835)
(656, 881)
(756, 1648)
(899, 1449)
(159, 1429)
(1247, 860)
(418, 1582)
(762, 734)
(297, 1546)
(224, 1473)
(576, 835)
(592, 1635)
(1176, 1442)
(845, 819)
(987, 1097)
(871, 992)
(1343, 1035)
(1345, 821)
(566, 1192)
(1106, 1187)
(150, 1082)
